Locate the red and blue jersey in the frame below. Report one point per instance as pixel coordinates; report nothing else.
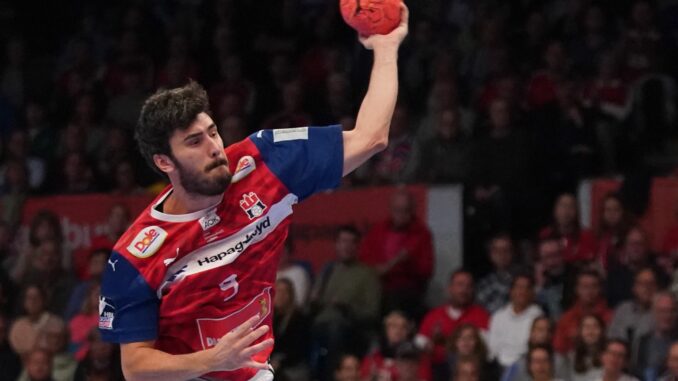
(187, 280)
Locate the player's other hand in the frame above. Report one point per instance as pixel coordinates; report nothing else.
(235, 349)
(391, 40)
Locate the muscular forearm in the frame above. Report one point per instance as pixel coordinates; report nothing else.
(149, 364)
(376, 110)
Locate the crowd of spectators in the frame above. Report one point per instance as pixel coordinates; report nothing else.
(516, 100)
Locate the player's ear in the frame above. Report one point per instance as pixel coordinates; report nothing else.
(164, 163)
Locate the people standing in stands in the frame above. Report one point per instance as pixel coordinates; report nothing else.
(400, 249)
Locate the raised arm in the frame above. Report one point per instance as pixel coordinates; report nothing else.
(370, 134)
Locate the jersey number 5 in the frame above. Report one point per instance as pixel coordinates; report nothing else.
(230, 286)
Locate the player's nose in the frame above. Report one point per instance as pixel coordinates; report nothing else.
(215, 148)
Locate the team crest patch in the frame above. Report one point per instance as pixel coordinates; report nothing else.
(251, 204)
(147, 242)
(245, 166)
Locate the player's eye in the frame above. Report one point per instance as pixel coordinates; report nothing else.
(193, 141)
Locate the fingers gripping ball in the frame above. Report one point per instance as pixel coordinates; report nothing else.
(370, 17)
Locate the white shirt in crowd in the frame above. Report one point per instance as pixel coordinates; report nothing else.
(509, 333)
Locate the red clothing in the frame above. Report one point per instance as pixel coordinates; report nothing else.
(566, 330)
(185, 280)
(576, 247)
(383, 243)
(439, 324)
(541, 90)
(80, 326)
(670, 244)
(376, 367)
(607, 247)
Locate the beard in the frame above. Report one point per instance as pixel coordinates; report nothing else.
(201, 182)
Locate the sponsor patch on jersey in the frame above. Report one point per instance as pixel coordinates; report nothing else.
(212, 330)
(285, 134)
(252, 205)
(106, 314)
(210, 220)
(246, 165)
(147, 242)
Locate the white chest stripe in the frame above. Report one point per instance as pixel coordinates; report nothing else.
(227, 250)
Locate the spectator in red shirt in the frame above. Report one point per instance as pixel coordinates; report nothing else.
(401, 251)
(380, 364)
(439, 323)
(589, 302)
(577, 244)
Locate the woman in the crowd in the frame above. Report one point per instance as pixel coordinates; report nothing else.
(25, 331)
(467, 343)
(53, 339)
(612, 227)
(577, 244)
(584, 361)
(290, 326)
(541, 333)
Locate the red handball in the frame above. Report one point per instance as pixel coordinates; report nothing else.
(370, 17)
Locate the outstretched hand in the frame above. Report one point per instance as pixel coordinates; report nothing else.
(235, 349)
(394, 38)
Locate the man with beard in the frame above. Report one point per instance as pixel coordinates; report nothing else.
(188, 288)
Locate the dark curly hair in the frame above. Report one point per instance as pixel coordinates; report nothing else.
(165, 112)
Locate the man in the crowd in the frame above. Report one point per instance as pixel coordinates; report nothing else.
(493, 289)
(510, 326)
(654, 346)
(552, 277)
(633, 319)
(671, 373)
(439, 323)
(345, 298)
(400, 249)
(635, 255)
(588, 301)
